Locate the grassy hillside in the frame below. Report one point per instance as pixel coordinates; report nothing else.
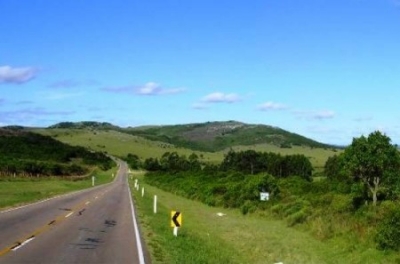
(26, 153)
(217, 136)
(120, 144)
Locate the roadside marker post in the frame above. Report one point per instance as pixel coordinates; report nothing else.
(93, 180)
(155, 204)
(142, 191)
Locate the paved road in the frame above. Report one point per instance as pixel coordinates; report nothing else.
(92, 226)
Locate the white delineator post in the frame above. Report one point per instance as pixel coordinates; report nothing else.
(92, 180)
(176, 231)
(155, 204)
(142, 191)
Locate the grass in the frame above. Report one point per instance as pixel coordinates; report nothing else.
(120, 144)
(19, 191)
(235, 238)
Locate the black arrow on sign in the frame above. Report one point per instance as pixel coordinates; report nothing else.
(175, 219)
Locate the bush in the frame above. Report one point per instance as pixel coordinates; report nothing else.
(388, 232)
(248, 207)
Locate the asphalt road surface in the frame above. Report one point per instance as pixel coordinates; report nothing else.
(96, 225)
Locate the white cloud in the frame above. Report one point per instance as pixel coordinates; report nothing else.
(218, 97)
(16, 75)
(150, 88)
(271, 106)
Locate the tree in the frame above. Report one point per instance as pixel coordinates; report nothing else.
(374, 161)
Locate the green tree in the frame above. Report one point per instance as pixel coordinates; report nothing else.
(374, 161)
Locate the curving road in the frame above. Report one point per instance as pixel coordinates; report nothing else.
(96, 225)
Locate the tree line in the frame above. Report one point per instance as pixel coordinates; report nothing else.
(248, 162)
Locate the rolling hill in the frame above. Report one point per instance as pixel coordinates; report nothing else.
(210, 140)
(217, 136)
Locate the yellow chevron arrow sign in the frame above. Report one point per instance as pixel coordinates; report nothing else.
(176, 219)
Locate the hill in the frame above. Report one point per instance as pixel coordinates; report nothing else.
(27, 153)
(210, 140)
(217, 136)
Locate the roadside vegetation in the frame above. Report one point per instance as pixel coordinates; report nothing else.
(354, 209)
(211, 234)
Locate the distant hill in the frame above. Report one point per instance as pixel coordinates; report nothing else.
(216, 136)
(208, 136)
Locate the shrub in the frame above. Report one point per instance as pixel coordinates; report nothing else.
(388, 232)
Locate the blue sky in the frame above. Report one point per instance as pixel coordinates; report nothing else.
(328, 70)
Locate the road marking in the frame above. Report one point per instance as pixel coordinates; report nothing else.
(138, 241)
(20, 245)
(68, 215)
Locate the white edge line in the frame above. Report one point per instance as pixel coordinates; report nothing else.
(138, 241)
(68, 215)
(23, 243)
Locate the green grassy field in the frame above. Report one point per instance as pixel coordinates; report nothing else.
(120, 144)
(19, 191)
(206, 237)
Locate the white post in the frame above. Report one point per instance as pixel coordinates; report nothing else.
(142, 191)
(155, 204)
(112, 175)
(176, 231)
(92, 180)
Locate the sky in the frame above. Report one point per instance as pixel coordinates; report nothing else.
(328, 70)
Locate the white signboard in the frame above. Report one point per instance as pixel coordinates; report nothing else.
(264, 196)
